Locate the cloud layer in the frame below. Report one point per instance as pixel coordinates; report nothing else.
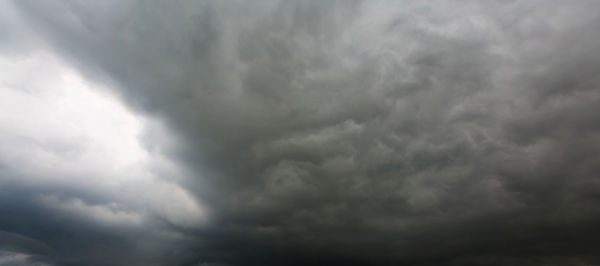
(301, 132)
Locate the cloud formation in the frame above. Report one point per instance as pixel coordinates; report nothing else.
(302, 132)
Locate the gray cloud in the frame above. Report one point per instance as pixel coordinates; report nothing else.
(367, 133)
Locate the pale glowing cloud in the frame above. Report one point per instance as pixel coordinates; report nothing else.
(104, 214)
(59, 129)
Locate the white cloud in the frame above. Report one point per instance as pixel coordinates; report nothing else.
(59, 129)
(100, 213)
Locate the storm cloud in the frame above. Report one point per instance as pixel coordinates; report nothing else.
(299, 132)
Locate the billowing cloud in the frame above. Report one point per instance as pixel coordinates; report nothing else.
(303, 132)
(71, 149)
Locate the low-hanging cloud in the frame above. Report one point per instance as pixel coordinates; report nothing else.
(331, 133)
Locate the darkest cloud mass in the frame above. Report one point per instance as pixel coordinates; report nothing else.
(293, 132)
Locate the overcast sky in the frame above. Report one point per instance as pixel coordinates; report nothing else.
(243, 133)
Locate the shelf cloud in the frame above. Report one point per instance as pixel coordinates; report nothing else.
(299, 132)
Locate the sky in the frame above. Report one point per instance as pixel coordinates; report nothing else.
(243, 133)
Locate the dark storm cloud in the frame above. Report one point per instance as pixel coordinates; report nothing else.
(341, 132)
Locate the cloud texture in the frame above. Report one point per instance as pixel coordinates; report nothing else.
(300, 132)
